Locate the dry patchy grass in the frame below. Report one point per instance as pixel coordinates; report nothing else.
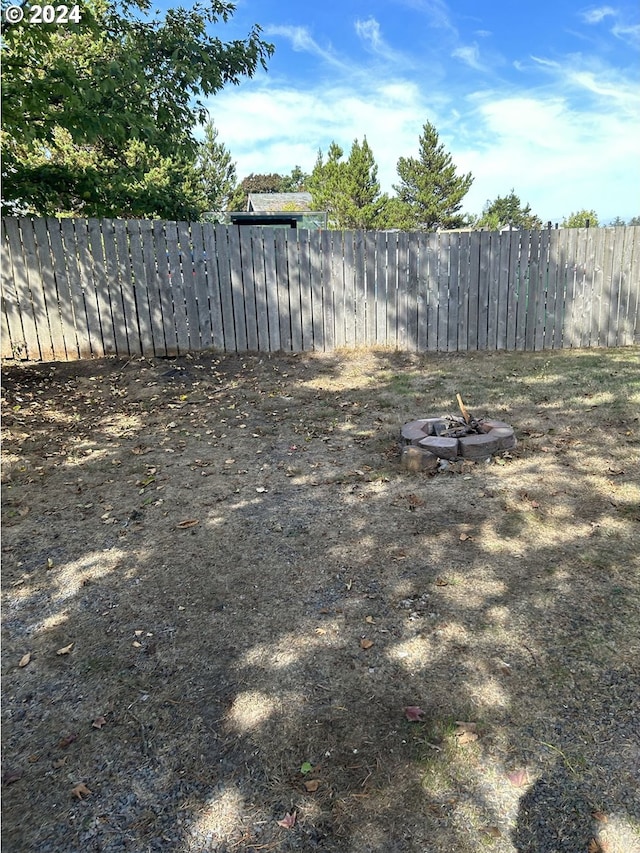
(217, 678)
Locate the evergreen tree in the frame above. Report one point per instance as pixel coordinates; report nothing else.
(430, 191)
(581, 219)
(326, 184)
(348, 190)
(63, 178)
(508, 210)
(363, 201)
(296, 182)
(216, 169)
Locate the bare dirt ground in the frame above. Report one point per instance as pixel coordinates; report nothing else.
(221, 594)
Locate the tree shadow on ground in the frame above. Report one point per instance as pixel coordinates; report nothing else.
(228, 655)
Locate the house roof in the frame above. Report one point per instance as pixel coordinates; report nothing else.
(262, 202)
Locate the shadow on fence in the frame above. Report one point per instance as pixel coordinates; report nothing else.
(76, 288)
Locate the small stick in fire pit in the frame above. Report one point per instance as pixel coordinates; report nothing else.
(465, 414)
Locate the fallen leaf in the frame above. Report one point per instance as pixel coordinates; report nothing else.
(369, 620)
(464, 537)
(365, 644)
(442, 581)
(596, 846)
(64, 742)
(11, 776)
(307, 767)
(65, 649)
(413, 713)
(600, 816)
(465, 733)
(136, 644)
(24, 660)
(183, 525)
(492, 831)
(519, 777)
(99, 722)
(312, 785)
(288, 821)
(49, 563)
(80, 791)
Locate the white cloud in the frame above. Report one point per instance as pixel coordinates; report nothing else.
(272, 128)
(302, 41)
(562, 132)
(621, 28)
(369, 31)
(436, 11)
(557, 158)
(629, 33)
(470, 55)
(370, 34)
(597, 14)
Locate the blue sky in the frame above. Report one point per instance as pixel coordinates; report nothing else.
(540, 97)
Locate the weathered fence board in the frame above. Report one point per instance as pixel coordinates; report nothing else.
(86, 288)
(381, 289)
(326, 248)
(473, 294)
(304, 249)
(317, 325)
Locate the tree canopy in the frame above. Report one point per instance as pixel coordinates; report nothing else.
(77, 100)
(430, 191)
(216, 170)
(507, 210)
(349, 190)
(581, 219)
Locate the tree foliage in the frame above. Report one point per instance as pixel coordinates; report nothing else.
(216, 170)
(349, 190)
(123, 76)
(67, 179)
(507, 210)
(270, 183)
(581, 219)
(430, 191)
(296, 182)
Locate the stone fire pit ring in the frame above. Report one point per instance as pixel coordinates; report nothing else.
(426, 441)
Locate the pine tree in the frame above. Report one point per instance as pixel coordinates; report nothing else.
(217, 170)
(348, 190)
(363, 201)
(508, 210)
(326, 184)
(430, 192)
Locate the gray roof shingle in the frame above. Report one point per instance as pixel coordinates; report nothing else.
(261, 202)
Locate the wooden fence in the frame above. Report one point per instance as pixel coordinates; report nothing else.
(77, 288)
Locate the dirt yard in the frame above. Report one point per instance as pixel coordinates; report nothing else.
(231, 622)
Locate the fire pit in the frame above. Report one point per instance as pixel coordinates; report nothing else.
(427, 441)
